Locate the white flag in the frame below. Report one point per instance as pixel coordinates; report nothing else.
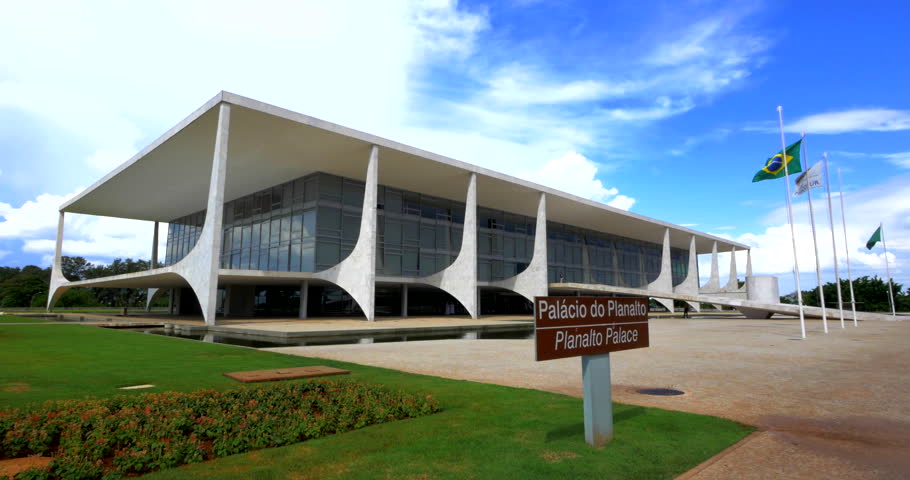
(811, 178)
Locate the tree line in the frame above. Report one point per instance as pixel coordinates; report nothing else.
(871, 295)
(28, 286)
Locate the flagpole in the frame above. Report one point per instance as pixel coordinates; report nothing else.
(888, 272)
(840, 301)
(818, 267)
(843, 216)
(783, 154)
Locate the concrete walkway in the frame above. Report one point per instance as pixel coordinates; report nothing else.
(830, 406)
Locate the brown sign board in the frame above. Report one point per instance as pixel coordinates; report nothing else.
(575, 326)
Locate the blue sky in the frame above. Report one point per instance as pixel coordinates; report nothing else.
(666, 109)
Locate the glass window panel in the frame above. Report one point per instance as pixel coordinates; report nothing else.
(311, 189)
(283, 258)
(295, 257)
(297, 227)
(247, 234)
(244, 259)
(484, 271)
(427, 265)
(287, 195)
(330, 188)
(285, 230)
(264, 259)
(508, 247)
(235, 260)
(410, 232)
(351, 227)
(254, 235)
(457, 234)
(309, 223)
(485, 245)
(308, 259)
(392, 233)
(329, 220)
(226, 242)
(275, 228)
(392, 264)
(273, 258)
(427, 237)
(299, 187)
(442, 261)
(353, 194)
(237, 234)
(264, 234)
(327, 253)
(442, 237)
(254, 260)
(392, 201)
(276, 197)
(409, 262)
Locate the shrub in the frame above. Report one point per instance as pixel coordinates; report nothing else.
(127, 435)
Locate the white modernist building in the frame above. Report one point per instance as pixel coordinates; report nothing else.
(271, 212)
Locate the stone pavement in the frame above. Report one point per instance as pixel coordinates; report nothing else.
(829, 406)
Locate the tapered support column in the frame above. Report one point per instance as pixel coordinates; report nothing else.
(714, 281)
(200, 266)
(749, 263)
(733, 282)
(664, 280)
(304, 298)
(404, 301)
(57, 286)
(356, 274)
(460, 278)
(532, 282)
(689, 286)
(153, 293)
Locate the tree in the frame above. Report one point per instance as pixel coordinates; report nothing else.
(871, 295)
(74, 268)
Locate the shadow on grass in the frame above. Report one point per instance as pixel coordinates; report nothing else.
(578, 429)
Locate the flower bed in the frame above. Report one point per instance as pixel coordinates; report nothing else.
(128, 435)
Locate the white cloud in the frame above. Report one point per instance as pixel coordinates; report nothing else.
(35, 224)
(901, 159)
(443, 29)
(517, 84)
(772, 250)
(868, 120)
(4, 253)
(688, 225)
(576, 174)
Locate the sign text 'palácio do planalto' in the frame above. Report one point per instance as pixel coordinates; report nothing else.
(575, 326)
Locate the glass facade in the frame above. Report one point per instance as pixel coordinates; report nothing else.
(182, 234)
(311, 223)
(505, 244)
(418, 234)
(577, 255)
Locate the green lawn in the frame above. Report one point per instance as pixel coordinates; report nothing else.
(485, 431)
(12, 319)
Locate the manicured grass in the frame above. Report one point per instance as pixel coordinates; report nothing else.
(485, 431)
(13, 319)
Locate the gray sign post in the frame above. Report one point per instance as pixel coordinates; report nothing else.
(598, 399)
(591, 328)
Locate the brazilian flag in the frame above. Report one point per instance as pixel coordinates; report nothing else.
(774, 167)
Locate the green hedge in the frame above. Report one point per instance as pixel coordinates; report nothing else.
(127, 435)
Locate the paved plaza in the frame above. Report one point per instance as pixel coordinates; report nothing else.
(834, 405)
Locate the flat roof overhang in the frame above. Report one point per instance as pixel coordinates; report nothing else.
(269, 145)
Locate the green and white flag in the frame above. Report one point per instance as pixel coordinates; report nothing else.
(875, 238)
(812, 178)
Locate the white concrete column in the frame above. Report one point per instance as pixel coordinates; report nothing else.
(733, 281)
(689, 286)
(749, 262)
(154, 263)
(356, 274)
(200, 267)
(532, 282)
(304, 298)
(460, 278)
(664, 280)
(714, 281)
(404, 300)
(57, 286)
